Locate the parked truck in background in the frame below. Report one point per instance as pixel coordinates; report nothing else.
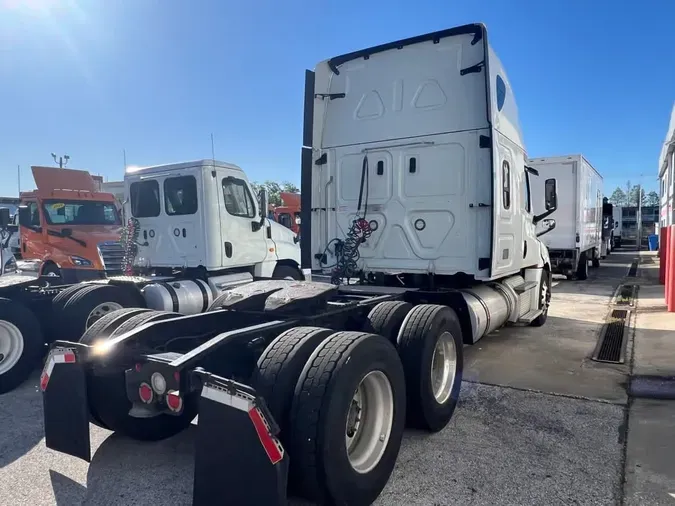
(414, 183)
(607, 227)
(72, 228)
(195, 231)
(288, 213)
(577, 238)
(617, 213)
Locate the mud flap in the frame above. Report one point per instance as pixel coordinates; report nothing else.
(64, 396)
(238, 459)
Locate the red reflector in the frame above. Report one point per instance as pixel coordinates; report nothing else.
(272, 447)
(174, 401)
(145, 393)
(139, 367)
(44, 379)
(69, 358)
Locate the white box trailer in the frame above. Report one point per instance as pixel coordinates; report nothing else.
(577, 238)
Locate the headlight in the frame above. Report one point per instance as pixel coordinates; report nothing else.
(10, 265)
(80, 262)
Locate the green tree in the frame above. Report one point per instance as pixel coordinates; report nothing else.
(618, 197)
(274, 190)
(633, 196)
(652, 199)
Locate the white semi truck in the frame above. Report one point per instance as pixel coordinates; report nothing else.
(414, 187)
(196, 229)
(577, 238)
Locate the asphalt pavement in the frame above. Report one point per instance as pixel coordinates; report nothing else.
(517, 438)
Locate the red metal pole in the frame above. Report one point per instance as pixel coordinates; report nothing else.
(663, 247)
(666, 260)
(670, 287)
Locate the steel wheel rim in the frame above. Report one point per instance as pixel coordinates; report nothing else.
(545, 296)
(369, 422)
(443, 367)
(11, 346)
(100, 311)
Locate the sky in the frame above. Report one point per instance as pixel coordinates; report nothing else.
(155, 78)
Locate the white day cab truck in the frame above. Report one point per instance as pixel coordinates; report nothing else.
(577, 238)
(415, 188)
(196, 230)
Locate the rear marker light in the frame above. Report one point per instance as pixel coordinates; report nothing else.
(174, 401)
(145, 393)
(272, 447)
(56, 356)
(158, 383)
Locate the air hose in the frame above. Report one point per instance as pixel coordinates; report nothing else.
(347, 250)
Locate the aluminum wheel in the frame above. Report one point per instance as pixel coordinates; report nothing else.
(443, 367)
(100, 311)
(11, 346)
(369, 422)
(545, 297)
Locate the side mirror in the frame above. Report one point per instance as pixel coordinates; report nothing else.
(4, 217)
(24, 216)
(551, 194)
(548, 226)
(264, 200)
(550, 200)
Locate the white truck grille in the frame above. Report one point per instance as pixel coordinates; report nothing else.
(112, 255)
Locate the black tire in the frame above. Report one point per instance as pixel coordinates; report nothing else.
(287, 272)
(279, 368)
(320, 467)
(582, 267)
(16, 317)
(386, 318)
(417, 340)
(64, 296)
(100, 331)
(112, 406)
(75, 316)
(544, 299)
(106, 325)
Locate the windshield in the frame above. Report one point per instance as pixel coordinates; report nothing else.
(59, 212)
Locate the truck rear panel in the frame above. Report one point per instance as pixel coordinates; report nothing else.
(579, 214)
(401, 130)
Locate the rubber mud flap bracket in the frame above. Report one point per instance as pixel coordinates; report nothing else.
(64, 395)
(236, 444)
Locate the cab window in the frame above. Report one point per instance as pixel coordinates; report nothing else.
(285, 220)
(144, 199)
(527, 203)
(237, 198)
(34, 214)
(59, 212)
(180, 195)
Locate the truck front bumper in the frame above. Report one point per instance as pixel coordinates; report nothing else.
(235, 444)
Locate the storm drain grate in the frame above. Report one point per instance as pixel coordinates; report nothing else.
(625, 295)
(611, 344)
(632, 272)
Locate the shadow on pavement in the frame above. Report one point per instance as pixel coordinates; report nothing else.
(66, 491)
(124, 471)
(20, 421)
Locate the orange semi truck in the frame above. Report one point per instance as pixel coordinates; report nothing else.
(72, 228)
(288, 214)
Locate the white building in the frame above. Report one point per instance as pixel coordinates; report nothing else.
(667, 174)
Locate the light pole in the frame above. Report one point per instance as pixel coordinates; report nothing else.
(61, 160)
